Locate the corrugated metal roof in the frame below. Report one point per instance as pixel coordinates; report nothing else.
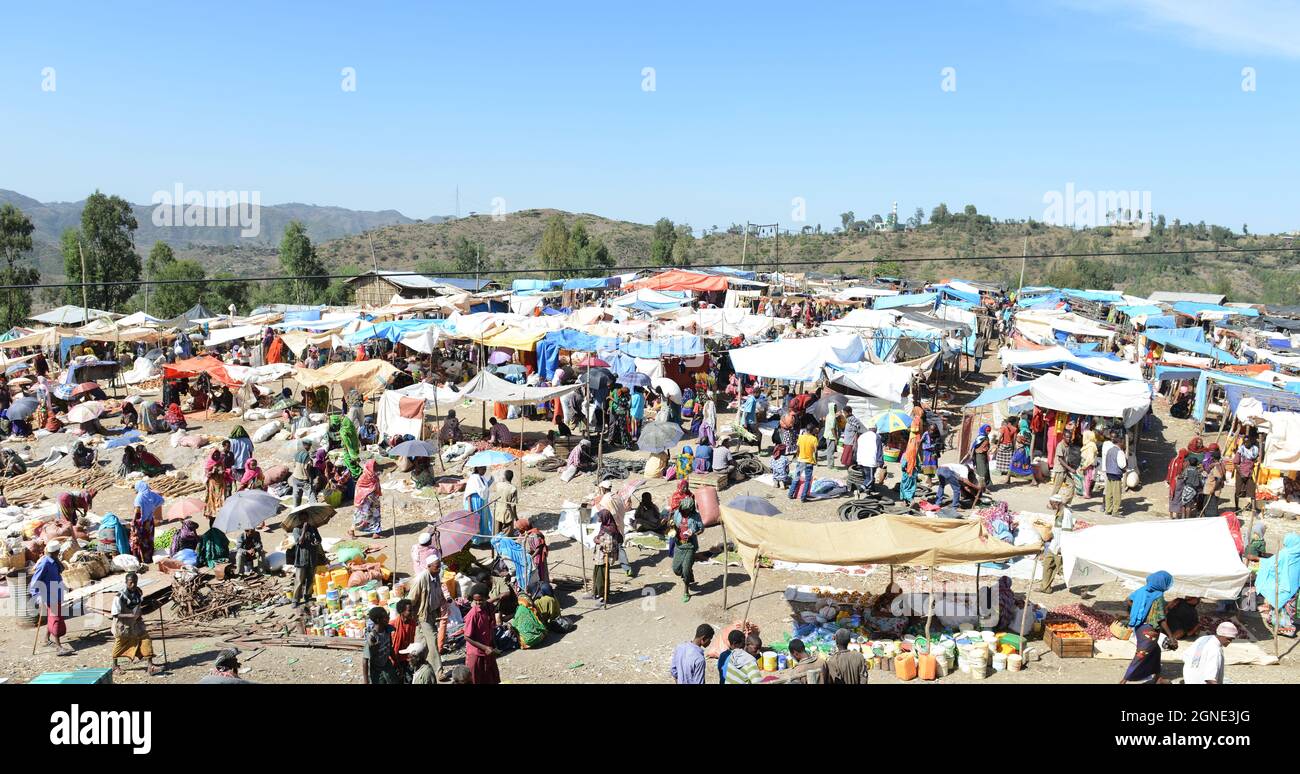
(425, 282)
(1169, 297)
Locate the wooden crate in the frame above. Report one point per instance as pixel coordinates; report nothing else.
(1068, 647)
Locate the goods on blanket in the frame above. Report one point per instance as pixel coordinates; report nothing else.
(343, 612)
(1094, 623)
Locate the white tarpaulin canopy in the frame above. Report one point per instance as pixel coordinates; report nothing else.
(856, 292)
(1060, 356)
(882, 380)
(1282, 447)
(1039, 324)
(1128, 401)
(1199, 553)
(797, 359)
(488, 387)
(222, 335)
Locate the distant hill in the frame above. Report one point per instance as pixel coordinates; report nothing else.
(51, 219)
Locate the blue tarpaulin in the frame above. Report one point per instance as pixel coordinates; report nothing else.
(1140, 310)
(1194, 308)
(1163, 321)
(960, 295)
(996, 394)
(302, 315)
(1203, 388)
(1176, 339)
(393, 330)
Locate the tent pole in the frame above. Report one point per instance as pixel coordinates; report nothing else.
(1277, 608)
(977, 592)
(753, 584)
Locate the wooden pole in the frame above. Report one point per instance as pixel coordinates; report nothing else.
(1277, 608)
(1024, 618)
(753, 585)
(929, 614)
(726, 575)
(36, 634)
(606, 595)
(162, 633)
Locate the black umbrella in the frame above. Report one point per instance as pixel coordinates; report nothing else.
(315, 514)
(839, 399)
(598, 379)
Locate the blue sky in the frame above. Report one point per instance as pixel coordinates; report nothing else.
(754, 104)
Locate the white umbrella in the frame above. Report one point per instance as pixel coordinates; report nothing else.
(84, 412)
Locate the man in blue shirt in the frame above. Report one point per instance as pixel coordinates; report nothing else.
(688, 659)
(636, 410)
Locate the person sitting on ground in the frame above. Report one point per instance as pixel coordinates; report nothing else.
(1183, 618)
(186, 538)
(722, 462)
(226, 670)
(250, 556)
(648, 517)
(450, 431)
(130, 417)
(703, 459)
(83, 456)
(581, 457)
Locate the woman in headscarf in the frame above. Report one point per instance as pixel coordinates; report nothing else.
(683, 491)
(356, 407)
(1088, 460)
(910, 465)
(1256, 548)
(703, 459)
(213, 548)
(1277, 583)
(779, 467)
(121, 536)
(1021, 464)
(82, 456)
(535, 546)
(1190, 485)
(930, 441)
(349, 442)
(185, 537)
(608, 549)
(151, 413)
(130, 416)
(647, 517)
(786, 431)
(147, 503)
(688, 524)
(175, 418)
(1148, 620)
(450, 431)
(241, 451)
(254, 477)
(74, 506)
(478, 486)
(368, 501)
(1172, 474)
(979, 450)
(685, 462)
(218, 478)
(655, 465)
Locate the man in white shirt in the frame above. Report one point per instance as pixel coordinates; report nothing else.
(868, 455)
(722, 457)
(1114, 464)
(1203, 664)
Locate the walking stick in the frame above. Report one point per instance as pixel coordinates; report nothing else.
(36, 635)
(753, 584)
(607, 579)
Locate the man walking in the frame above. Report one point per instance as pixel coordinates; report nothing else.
(853, 428)
(1115, 462)
(688, 658)
(802, 480)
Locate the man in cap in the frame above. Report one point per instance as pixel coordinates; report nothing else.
(1203, 664)
(226, 670)
(416, 655)
(429, 603)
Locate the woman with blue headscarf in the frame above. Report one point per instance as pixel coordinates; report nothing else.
(147, 504)
(979, 449)
(121, 536)
(1277, 582)
(1147, 618)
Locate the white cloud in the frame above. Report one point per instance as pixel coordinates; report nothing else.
(1255, 27)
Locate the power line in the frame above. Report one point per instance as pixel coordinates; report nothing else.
(751, 264)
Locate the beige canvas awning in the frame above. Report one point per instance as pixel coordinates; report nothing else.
(884, 539)
(367, 376)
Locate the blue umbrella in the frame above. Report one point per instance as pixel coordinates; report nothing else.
(23, 408)
(488, 458)
(634, 379)
(413, 449)
(15, 368)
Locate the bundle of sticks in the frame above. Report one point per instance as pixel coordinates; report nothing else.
(36, 485)
(197, 599)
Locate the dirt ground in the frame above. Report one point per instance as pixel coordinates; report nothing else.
(632, 640)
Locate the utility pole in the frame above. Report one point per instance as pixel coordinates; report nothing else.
(1024, 256)
(373, 258)
(744, 243)
(84, 305)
